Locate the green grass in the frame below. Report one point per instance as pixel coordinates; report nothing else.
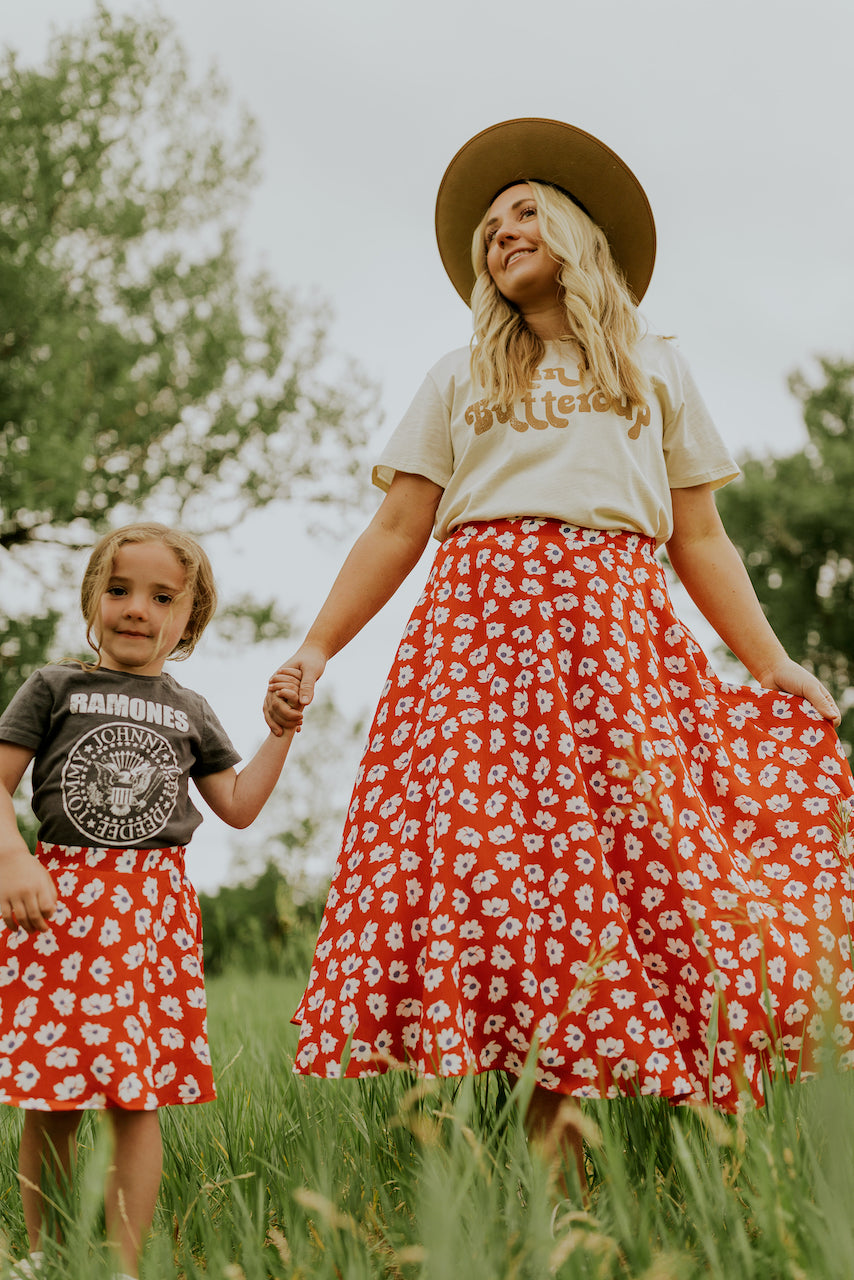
(355, 1180)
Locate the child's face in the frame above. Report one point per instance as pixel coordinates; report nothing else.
(141, 620)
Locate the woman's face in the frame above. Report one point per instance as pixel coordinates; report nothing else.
(520, 264)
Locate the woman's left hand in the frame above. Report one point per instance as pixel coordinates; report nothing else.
(789, 677)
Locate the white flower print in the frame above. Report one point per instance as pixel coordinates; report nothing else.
(69, 1088)
(66, 883)
(94, 1033)
(25, 1011)
(90, 892)
(142, 920)
(121, 900)
(62, 1056)
(134, 956)
(130, 1088)
(165, 1075)
(171, 1038)
(45, 943)
(171, 1008)
(102, 1068)
(33, 976)
(101, 969)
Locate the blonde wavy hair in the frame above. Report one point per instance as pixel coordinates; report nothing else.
(198, 580)
(601, 316)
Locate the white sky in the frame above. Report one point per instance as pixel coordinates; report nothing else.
(735, 116)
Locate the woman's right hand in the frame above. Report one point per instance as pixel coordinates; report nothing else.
(27, 892)
(280, 715)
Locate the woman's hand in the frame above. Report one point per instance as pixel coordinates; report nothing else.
(789, 677)
(291, 688)
(27, 892)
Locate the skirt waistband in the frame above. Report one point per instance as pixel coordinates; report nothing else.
(64, 857)
(538, 528)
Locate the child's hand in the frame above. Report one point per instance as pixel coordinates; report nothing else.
(283, 696)
(27, 893)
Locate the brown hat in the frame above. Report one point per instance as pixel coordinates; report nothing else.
(544, 151)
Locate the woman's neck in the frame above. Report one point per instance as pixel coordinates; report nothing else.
(547, 322)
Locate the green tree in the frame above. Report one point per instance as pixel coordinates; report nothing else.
(143, 368)
(791, 519)
(260, 924)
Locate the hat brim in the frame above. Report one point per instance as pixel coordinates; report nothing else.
(546, 151)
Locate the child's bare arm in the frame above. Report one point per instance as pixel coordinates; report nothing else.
(238, 798)
(27, 892)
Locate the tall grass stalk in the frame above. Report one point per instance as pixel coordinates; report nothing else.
(392, 1177)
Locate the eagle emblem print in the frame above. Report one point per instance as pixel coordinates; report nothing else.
(120, 784)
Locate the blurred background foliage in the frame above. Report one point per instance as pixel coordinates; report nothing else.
(790, 518)
(263, 924)
(143, 365)
(145, 368)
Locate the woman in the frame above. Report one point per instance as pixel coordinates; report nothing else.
(568, 838)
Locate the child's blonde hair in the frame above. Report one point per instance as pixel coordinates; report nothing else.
(199, 580)
(601, 316)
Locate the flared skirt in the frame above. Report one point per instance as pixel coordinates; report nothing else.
(571, 844)
(107, 1007)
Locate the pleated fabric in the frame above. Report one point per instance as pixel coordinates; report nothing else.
(107, 1008)
(571, 843)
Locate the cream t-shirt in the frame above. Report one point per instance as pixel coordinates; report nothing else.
(563, 452)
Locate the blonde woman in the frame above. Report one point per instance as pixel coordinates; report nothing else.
(570, 844)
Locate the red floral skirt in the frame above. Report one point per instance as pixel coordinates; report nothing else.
(570, 840)
(107, 1008)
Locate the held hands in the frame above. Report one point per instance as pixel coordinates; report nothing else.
(27, 892)
(291, 688)
(789, 677)
(284, 687)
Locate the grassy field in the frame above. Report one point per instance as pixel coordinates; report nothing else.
(293, 1178)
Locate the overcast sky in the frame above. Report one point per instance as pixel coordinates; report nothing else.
(736, 117)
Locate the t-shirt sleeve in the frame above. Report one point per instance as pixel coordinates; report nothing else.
(216, 750)
(27, 717)
(422, 442)
(694, 451)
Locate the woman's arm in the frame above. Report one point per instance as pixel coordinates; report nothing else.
(27, 892)
(714, 576)
(379, 562)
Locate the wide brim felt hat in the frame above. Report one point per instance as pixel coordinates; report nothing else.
(532, 149)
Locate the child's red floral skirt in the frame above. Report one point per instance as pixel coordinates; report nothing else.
(570, 841)
(107, 1008)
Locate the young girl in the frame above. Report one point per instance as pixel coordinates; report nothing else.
(102, 1001)
(568, 838)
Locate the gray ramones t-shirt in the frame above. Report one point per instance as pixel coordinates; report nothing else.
(113, 755)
